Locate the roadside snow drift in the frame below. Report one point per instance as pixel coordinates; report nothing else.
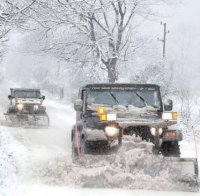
(12, 161)
(132, 167)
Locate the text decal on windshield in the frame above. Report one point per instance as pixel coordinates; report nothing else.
(122, 88)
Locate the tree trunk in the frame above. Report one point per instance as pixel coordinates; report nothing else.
(112, 70)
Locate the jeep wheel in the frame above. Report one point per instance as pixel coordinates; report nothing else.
(120, 138)
(119, 141)
(84, 147)
(170, 149)
(74, 152)
(155, 150)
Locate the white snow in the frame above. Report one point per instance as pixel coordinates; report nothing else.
(64, 191)
(12, 161)
(41, 163)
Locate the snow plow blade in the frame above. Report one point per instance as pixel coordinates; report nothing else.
(184, 170)
(27, 120)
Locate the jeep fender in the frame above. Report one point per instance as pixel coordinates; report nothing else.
(76, 130)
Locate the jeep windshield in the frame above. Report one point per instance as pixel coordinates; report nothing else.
(126, 96)
(27, 94)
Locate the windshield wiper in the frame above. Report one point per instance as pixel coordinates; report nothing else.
(113, 96)
(144, 101)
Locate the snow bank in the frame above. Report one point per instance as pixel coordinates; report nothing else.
(188, 150)
(12, 161)
(64, 191)
(132, 167)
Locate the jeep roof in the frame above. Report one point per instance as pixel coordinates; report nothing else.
(120, 84)
(24, 89)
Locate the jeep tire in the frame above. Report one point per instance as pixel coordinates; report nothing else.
(170, 149)
(84, 147)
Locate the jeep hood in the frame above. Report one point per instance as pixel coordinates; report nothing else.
(134, 116)
(28, 100)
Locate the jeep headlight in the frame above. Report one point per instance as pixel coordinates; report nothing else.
(35, 107)
(169, 115)
(19, 101)
(104, 116)
(108, 117)
(111, 131)
(111, 117)
(154, 130)
(160, 131)
(20, 106)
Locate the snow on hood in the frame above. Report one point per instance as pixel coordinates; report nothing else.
(122, 108)
(29, 100)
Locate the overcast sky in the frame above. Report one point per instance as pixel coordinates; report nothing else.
(184, 39)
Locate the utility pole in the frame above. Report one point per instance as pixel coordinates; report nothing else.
(164, 38)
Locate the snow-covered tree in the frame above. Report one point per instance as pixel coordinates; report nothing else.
(93, 32)
(10, 17)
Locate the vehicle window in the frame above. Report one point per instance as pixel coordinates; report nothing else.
(137, 98)
(27, 94)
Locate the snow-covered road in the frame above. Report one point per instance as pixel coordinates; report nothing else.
(38, 162)
(52, 142)
(30, 149)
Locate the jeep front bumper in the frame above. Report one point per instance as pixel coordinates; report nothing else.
(92, 135)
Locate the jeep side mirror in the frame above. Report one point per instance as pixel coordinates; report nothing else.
(43, 97)
(9, 97)
(168, 105)
(78, 104)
